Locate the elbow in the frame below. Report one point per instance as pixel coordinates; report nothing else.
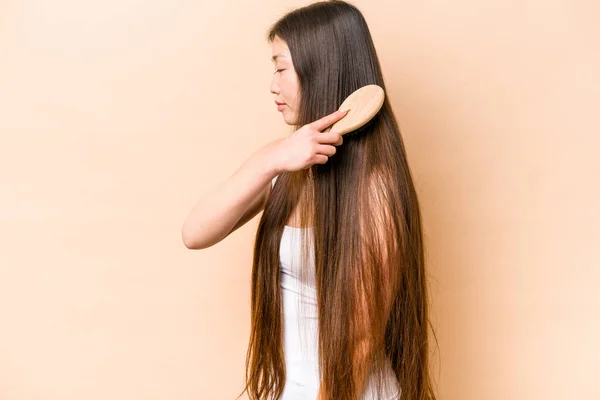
(189, 241)
(190, 245)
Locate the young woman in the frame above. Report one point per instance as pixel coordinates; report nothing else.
(339, 295)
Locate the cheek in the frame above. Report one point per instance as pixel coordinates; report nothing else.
(291, 90)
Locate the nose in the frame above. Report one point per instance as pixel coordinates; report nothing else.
(274, 87)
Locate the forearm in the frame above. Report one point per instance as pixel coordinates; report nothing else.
(213, 217)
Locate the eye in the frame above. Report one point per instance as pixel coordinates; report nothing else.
(278, 70)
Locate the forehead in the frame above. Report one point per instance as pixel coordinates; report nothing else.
(279, 50)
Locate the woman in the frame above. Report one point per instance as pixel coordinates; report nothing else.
(339, 304)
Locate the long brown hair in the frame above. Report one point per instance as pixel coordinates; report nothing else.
(366, 224)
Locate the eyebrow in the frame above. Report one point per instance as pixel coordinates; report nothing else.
(274, 58)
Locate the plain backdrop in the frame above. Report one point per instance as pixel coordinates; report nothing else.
(116, 117)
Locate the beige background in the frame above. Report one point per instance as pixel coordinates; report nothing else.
(117, 116)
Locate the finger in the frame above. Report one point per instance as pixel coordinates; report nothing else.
(330, 138)
(327, 120)
(321, 159)
(326, 149)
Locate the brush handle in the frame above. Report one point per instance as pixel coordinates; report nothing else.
(364, 103)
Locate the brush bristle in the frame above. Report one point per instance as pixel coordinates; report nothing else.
(357, 132)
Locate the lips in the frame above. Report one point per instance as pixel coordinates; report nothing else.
(278, 103)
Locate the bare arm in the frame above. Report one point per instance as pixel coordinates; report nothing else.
(245, 193)
(233, 203)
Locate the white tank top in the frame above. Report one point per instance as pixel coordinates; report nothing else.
(300, 325)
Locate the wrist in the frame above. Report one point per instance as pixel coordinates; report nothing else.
(268, 157)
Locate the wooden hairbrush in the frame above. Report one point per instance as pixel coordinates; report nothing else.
(364, 103)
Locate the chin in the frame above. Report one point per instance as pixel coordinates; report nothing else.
(289, 120)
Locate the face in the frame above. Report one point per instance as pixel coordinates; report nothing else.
(285, 81)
